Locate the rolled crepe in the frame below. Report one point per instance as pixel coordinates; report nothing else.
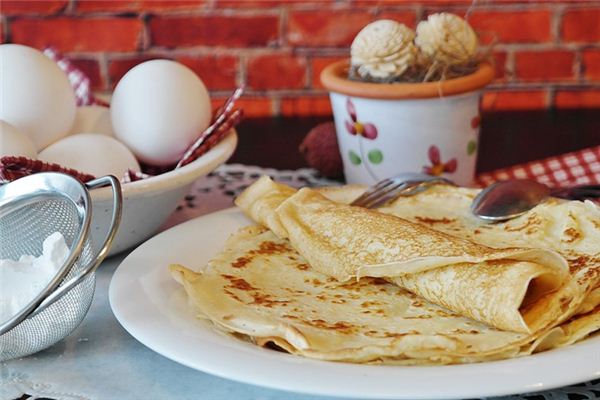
(512, 289)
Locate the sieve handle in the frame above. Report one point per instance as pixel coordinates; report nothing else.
(117, 206)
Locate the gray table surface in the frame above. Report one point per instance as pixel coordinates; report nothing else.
(100, 360)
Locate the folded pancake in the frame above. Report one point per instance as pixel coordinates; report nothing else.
(563, 226)
(518, 289)
(572, 228)
(260, 287)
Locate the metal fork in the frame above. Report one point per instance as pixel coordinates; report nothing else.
(405, 184)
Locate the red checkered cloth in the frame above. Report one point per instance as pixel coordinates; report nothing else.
(580, 167)
(78, 79)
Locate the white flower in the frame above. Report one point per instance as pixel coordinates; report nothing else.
(383, 49)
(446, 38)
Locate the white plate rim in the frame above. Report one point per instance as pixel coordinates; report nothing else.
(211, 353)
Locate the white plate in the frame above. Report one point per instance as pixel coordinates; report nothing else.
(154, 310)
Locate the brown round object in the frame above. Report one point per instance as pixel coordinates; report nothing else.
(321, 152)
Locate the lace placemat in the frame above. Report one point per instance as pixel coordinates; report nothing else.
(217, 190)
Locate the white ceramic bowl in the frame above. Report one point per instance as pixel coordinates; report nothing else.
(149, 202)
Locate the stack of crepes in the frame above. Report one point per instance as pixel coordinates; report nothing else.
(418, 282)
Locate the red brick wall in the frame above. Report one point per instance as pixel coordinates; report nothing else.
(547, 52)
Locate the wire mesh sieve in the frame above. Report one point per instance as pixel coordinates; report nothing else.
(31, 209)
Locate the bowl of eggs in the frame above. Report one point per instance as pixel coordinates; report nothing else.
(157, 111)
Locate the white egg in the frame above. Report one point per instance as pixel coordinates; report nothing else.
(93, 153)
(36, 96)
(92, 119)
(14, 142)
(158, 108)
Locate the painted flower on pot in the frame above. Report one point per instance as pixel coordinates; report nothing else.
(472, 144)
(362, 130)
(356, 127)
(438, 167)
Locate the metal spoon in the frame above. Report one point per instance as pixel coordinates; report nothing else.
(509, 199)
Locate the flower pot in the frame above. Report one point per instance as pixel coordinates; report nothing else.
(387, 128)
